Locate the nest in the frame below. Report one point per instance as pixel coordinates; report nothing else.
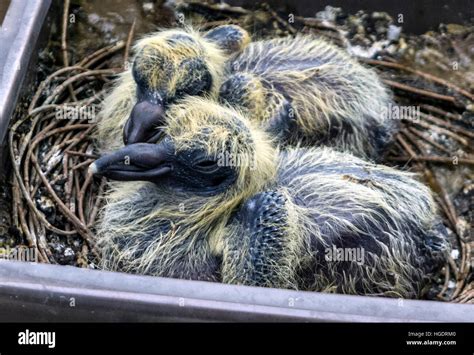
(56, 202)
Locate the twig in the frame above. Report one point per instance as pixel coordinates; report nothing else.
(406, 146)
(64, 44)
(211, 24)
(80, 154)
(446, 282)
(45, 82)
(82, 193)
(97, 202)
(102, 53)
(465, 267)
(81, 228)
(428, 139)
(421, 92)
(325, 29)
(84, 163)
(432, 159)
(74, 78)
(64, 33)
(444, 131)
(424, 75)
(454, 267)
(443, 113)
(452, 127)
(16, 160)
(221, 7)
(314, 22)
(129, 43)
(277, 17)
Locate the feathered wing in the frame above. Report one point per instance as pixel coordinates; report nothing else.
(336, 223)
(382, 221)
(259, 244)
(335, 100)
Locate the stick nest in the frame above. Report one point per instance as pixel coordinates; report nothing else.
(56, 203)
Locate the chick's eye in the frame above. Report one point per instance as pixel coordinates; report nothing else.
(206, 165)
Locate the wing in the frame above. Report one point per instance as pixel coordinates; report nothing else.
(259, 249)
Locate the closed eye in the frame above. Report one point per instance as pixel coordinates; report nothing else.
(207, 165)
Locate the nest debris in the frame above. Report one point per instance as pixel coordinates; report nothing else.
(55, 200)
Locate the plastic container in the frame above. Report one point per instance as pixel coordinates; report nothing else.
(38, 292)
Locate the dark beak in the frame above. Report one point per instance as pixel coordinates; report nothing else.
(142, 125)
(136, 162)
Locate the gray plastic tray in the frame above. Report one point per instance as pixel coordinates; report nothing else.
(37, 292)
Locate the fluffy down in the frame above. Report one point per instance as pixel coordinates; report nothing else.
(308, 91)
(277, 222)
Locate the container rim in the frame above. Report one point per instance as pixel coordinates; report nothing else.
(40, 292)
(19, 32)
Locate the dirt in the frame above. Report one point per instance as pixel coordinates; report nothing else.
(100, 23)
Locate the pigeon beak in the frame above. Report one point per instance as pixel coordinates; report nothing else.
(141, 126)
(136, 162)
